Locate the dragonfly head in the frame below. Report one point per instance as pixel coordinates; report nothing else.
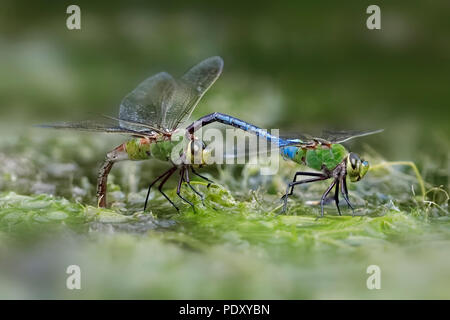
(197, 153)
(356, 167)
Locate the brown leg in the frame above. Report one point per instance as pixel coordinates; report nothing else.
(344, 191)
(154, 181)
(180, 181)
(292, 184)
(188, 181)
(163, 182)
(302, 173)
(322, 200)
(336, 197)
(201, 176)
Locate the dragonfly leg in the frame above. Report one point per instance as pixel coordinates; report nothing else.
(188, 181)
(322, 200)
(302, 173)
(290, 185)
(344, 191)
(163, 182)
(336, 196)
(151, 185)
(203, 177)
(102, 182)
(180, 181)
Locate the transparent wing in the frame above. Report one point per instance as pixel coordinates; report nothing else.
(148, 102)
(142, 126)
(190, 89)
(296, 139)
(326, 137)
(343, 136)
(163, 102)
(158, 104)
(95, 126)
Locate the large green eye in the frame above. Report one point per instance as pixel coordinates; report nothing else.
(356, 167)
(364, 168)
(196, 147)
(353, 160)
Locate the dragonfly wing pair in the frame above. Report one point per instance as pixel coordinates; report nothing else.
(160, 103)
(164, 102)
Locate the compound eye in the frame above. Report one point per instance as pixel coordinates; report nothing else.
(353, 160)
(196, 147)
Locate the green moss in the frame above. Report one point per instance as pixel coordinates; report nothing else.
(27, 214)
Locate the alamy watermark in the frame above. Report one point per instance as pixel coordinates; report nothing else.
(73, 281)
(73, 21)
(374, 280)
(373, 22)
(230, 146)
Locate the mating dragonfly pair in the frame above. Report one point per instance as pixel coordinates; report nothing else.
(160, 105)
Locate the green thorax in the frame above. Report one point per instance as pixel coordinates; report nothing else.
(159, 148)
(316, 158)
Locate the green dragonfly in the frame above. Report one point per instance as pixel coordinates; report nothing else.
(325, 154)
(152, 114)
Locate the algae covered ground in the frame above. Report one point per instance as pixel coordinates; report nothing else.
(235, 245)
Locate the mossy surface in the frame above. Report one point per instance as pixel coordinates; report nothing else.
(236, 244)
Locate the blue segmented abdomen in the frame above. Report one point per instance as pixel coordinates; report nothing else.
(237, 123)
(289, 152)
(287, 146)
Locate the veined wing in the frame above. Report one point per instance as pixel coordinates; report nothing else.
(147, 102)
(298, 139)
(96, 126)
(191, 88)
(327, 137)
(343, 136)
(141, 126)
(164, 102)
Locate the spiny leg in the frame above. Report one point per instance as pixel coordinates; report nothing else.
(336, 197)
(203, 177)
(301, 173)
(285, 197)
(322, 200)
(169, 174)
(188, 181)
(344, 191)
(151, 185)
(180, 181)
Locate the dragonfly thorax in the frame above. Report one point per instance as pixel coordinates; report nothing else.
(159, 147)
(316, 158)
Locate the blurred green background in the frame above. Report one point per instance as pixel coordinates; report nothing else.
(291, 65)
(297, 66)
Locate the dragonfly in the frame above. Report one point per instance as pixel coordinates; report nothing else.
(152, 114)
(325, 154)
